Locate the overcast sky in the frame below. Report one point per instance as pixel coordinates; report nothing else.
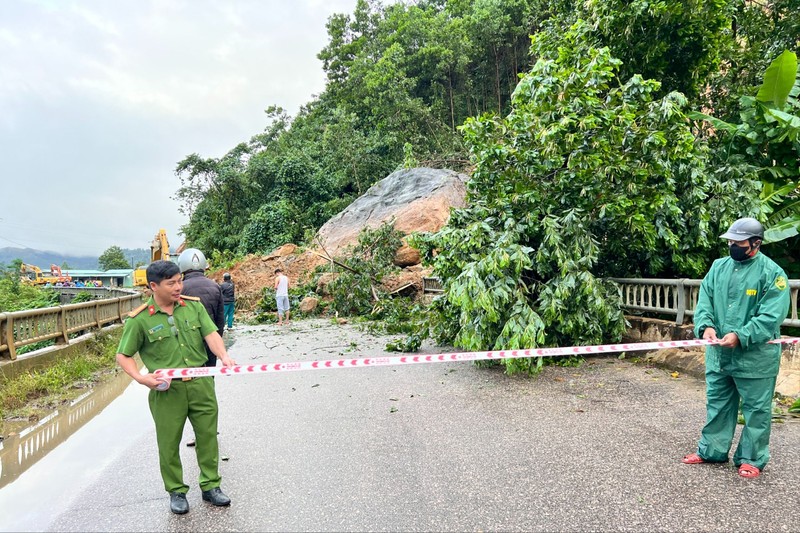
(100, 99)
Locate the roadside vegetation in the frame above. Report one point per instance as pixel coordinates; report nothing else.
(15, 295)
(403, 78)
(31, 396)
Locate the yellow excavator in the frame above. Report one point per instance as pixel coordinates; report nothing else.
(33, 275)
(159, 249)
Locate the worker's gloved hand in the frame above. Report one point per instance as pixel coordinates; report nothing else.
(710, 334)
(731, 340)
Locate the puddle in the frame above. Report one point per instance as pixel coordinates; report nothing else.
(45, 465)
(22, 449)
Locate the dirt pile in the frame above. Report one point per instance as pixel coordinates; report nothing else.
(258, 271)
(417, 199)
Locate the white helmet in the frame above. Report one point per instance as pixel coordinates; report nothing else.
(192, 259)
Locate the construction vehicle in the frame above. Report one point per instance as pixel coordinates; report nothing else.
(159, 250)
(33, 275)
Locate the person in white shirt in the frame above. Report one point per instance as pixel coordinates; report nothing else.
(282, 296)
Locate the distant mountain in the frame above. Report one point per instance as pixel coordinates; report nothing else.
(43, 259)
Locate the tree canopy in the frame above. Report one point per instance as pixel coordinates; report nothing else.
(588, 176)
(113, 258)
(584, 161)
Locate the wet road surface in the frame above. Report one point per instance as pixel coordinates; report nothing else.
(48, 486)
(438, 447)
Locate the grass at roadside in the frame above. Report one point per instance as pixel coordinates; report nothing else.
(31, 395)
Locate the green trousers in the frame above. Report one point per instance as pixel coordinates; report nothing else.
(722, 405)
(197, 401)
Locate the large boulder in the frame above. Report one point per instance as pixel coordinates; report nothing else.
(282, 251)
(419, 199)
(406, 256)
(308, 305)
(406, 278)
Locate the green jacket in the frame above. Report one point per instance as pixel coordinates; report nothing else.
(751, 299)
(161, 344)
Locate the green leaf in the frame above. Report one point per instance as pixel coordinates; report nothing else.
(717, 123)
(778, 80)
(784, 229)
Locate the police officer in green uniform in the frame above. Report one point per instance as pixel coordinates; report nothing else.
(743, 300)
(169, 331)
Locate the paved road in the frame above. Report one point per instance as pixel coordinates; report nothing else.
(447, 447)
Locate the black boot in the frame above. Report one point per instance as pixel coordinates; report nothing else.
(216, 497)
(178, 503)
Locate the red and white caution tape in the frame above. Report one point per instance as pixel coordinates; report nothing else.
(329, 364)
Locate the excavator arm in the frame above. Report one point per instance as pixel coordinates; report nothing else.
(159, 250)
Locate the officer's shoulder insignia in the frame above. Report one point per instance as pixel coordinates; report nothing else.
(137, 310)
(192, 298)
(780, 283)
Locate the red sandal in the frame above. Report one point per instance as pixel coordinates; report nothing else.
(692, 459)
(749, 471)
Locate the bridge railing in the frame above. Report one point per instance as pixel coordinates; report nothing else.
(676, 297)
(66, 294)
(679, 297)
(21, 328)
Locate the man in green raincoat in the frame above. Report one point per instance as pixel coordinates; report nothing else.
(743, 300)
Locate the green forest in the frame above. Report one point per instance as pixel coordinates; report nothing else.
(603, 138)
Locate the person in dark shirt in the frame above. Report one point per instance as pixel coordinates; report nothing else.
(228, 298)
(193, 265)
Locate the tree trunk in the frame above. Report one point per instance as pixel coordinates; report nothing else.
(497, 78)
(452, 110)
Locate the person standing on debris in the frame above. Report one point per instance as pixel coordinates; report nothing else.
(228, 298)
(193, 265)
(282, 296)
(168, 332)
(743, 300)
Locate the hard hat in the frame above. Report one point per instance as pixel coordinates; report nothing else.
(226, 276)
(192, 259)
(743, 229)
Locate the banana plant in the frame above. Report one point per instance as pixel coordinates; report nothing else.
(768, 140)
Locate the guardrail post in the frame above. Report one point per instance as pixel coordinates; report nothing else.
(681, 302)
(9, 337)
(62, 325)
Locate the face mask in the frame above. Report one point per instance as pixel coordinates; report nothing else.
(738, 253)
